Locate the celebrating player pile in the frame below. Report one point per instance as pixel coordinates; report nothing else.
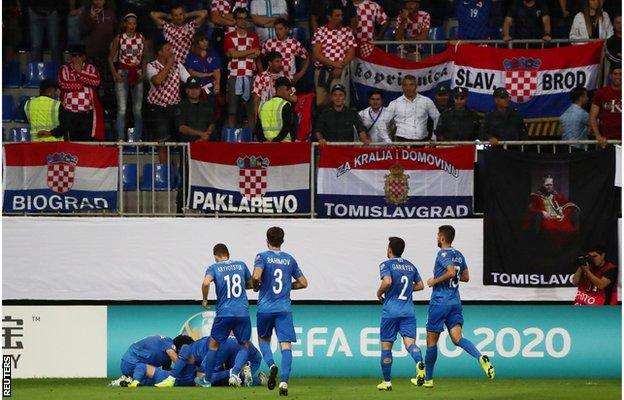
(399, 278)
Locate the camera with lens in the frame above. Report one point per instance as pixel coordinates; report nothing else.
(584, 259)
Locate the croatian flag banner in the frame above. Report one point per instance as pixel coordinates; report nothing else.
(372, 182)
(60, 177)
(249, 177)
(538, 81)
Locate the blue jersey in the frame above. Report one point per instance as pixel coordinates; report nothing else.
(227, 351)
(447, 293)
(279, 270)
(474, 18)
(151, 350)
(230, 278)
(398, 297)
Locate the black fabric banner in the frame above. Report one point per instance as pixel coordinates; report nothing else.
(544, 210)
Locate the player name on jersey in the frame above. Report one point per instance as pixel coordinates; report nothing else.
(367, 182)
(266, 178)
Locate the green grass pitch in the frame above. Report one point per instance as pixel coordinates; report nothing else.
(320, 388)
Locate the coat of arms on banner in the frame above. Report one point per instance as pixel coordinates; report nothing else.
(61, 172)
(252, 176)
(396, 187)
(521, 78)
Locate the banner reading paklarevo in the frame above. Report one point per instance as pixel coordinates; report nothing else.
(60, 177)
(544, 210)
(250, 177)
(372, 182)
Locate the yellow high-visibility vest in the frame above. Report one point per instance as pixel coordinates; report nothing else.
(271, 118)
(43, 115)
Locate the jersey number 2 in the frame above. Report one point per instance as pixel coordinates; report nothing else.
(405, 282)
(234, 287)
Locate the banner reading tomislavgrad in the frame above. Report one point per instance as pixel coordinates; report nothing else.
(372, 182)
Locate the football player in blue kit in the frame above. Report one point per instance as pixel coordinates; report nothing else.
(275, 274)
(399, 278)
(445, 306)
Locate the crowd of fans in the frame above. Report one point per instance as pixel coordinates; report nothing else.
(235, 63)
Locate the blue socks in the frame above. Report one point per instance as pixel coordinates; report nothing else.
(386, 364)
(415, 353)
(209, 364)
(430, 359)
(286, 364)
(267, 354)
(469, 347)
(139, 372)
(240, 360)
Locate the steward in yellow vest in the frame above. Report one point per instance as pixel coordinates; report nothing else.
(42, 113)
(276, 119)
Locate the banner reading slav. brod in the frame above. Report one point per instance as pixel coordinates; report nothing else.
(60, 177)
(250, 177)
(372, 182)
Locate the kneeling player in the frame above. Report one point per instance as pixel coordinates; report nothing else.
(399, 278)
(445, 305)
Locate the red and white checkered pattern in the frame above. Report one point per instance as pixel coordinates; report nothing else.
(241, 66)
(289, 49)
(416, 23)
(168, 93)
(76, 87)
(368, 12)
(252, 182)
(226, 7)
(264, 85)
(334, 42)
(61, 177)
(131, 49)
(180, 37)
(521, 85)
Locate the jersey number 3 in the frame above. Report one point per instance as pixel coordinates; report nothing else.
(278, 274)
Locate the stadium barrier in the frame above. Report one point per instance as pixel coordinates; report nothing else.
(149, 188)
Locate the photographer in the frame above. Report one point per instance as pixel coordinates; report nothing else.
(595, 278)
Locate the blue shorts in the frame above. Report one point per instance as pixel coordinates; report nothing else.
(241, 326)
(127, 368)
(440, 315)
(406, 326)
(281, 321)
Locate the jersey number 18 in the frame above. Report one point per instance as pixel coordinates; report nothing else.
(234, 287)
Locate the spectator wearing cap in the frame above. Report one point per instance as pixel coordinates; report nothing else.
(163, 96)
(458, 123)
(411, 111)
(605, 115)
(336, 122)
(127, 65)
(194, 121)
(290, 48)
(503, 122)
(333, 47)
(264, 13)
(376, 118)
(276, 119)
(574, 122)
(243, 47)
(527, 19)
(412, 24)
(264, 83)
(42, 113)
(81, 118)
(178, 33)
(369, 14)
(474, 19)
(442, 98)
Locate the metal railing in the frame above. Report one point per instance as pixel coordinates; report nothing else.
(151, 201)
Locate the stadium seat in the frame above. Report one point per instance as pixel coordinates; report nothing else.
(129, 177)
(436, 33)
(20, 135)
(161, 176)
(234, 135)
(20, 115)
(453, 32)
(301, 12)
(36, 72)
(11, 75)
(7, 108)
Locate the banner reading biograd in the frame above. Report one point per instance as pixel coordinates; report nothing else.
(250, 178)
(372, 182)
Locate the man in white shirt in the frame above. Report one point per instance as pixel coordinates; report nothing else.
(376, 118)
(410, 113)
(264, 13)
